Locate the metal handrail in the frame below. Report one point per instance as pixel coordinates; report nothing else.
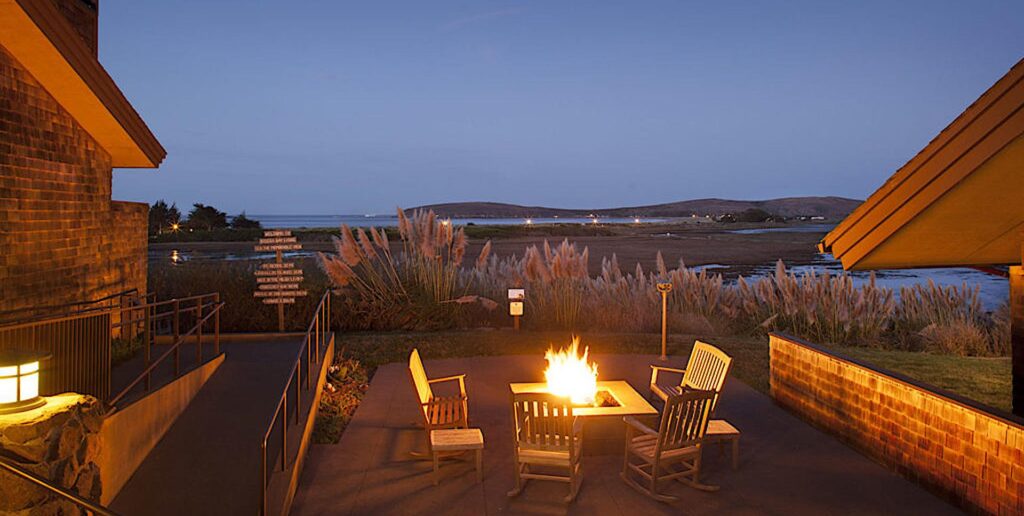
(162, 315)
(52, 311)
(319, 328)
(179, 338)
(74, 498)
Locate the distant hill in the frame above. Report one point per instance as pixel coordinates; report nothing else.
(829, 207)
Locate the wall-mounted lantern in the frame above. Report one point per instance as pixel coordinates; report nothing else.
(19, 380)
(516, 300)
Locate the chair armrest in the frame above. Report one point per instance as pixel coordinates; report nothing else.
(460, 377)
(655, 369)
(633, 423)
(447, 378)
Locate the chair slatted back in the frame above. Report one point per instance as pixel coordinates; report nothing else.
(419, 378)
(707, 369)
(543, 422)
(684, 421)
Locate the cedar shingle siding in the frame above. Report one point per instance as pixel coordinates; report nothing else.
(969, 455)
(62, 239)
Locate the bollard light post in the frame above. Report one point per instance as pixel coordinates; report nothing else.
(664, 288)
(516, 297)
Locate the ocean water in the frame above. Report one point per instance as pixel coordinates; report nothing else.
(333, 221)
(803, 228)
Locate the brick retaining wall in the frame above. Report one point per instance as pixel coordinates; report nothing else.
(62, 238)
(969, 453)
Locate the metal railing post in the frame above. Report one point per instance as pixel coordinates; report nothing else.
(263, 477)
(216, 324)
(199, 331)
(146, 335)
(298, 392)
(177, 334)
(284, 431)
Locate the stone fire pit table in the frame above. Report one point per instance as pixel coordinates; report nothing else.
(603, 430)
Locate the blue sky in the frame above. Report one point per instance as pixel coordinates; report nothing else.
(308, 107)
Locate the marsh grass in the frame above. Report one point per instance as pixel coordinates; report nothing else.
(427, 283)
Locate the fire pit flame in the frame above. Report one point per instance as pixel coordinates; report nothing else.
(571, 375)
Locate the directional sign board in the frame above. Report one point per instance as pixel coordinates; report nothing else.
(279, 282)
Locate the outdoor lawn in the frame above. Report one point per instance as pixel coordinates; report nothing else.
(986, 380)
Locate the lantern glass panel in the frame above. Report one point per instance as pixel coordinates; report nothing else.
(8, 389)
(29, 386)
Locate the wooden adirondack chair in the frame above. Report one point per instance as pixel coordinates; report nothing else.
(546, 434)
(706, 370)
(438, 412)
(677, 442)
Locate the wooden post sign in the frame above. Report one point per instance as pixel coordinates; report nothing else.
(278, 282)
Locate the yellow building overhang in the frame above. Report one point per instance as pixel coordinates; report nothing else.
(960, 201)
(44, 42)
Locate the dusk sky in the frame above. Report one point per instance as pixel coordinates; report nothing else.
(332, 107)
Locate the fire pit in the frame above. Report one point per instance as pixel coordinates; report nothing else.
(601, 404)
(622, 400)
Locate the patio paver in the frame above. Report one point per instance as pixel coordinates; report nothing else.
(786, 466)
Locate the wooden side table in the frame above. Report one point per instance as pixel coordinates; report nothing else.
(457, 439)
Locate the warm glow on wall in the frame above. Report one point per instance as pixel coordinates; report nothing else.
(19, 381)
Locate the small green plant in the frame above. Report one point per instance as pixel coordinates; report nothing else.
(122, 349)
(346, 383)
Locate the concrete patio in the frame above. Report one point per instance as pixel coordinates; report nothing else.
(786, 466)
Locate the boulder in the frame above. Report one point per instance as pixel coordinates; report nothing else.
(59, 441)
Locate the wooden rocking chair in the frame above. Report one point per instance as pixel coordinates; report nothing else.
(438, 412)
(706, 370)
(677, 441)
(546, 434)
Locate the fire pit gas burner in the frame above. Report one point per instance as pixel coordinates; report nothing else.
(570, 374)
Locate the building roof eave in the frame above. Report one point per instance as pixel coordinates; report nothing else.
(45, 43)
(983, 131)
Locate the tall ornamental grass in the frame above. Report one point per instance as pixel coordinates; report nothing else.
(950, 319)
(425, 282)
(421, 286)
(821, 307)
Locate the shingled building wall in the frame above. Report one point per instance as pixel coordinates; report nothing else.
(62, 239)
